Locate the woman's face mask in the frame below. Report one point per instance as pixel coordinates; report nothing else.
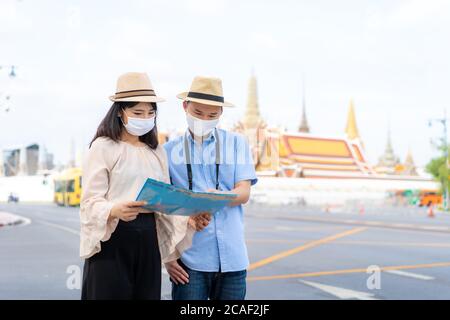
(138, 126)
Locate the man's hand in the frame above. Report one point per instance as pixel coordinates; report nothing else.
(200, 221)
(176, 272)
(241, 189)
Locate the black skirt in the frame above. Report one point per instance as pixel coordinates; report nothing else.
(128, 265)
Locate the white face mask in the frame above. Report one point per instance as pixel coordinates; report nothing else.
(200, 127)
(137, 126)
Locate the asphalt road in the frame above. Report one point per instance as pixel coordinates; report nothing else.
(295, 253)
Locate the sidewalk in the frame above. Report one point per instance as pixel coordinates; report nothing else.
(9, 219)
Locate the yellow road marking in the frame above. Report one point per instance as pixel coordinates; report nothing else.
(347, 271)
(304, 247)
(370, 243)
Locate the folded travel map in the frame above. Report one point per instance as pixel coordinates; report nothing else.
(169, 199)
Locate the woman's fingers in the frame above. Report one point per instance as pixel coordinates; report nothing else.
(128, 219)
(177, 276)
(180, 269)
(132, 210)
(182, 273)
(136, 203)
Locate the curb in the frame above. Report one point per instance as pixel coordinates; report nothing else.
(8, 219)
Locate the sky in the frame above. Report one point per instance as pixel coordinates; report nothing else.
(392, 57)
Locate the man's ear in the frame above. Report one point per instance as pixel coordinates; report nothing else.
(185, 105)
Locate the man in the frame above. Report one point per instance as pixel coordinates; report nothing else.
(209, 159)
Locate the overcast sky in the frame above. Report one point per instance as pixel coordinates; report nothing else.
(391, 57)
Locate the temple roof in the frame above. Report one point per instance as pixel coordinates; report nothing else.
(318, 156)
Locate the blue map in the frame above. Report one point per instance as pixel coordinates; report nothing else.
(169, 199)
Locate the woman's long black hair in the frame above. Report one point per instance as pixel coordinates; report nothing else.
(111, 125)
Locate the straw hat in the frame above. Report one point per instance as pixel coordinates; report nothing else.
(135, 86)
(206, 90)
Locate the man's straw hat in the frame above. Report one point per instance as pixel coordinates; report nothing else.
(206, 90)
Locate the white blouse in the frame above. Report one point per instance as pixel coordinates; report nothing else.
(114, 172)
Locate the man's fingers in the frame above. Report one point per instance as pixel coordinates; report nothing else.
(204, 222)
(206, 216)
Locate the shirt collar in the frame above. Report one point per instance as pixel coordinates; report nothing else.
(210, 138)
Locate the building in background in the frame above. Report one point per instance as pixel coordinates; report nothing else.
(25, 160)
(304, 167)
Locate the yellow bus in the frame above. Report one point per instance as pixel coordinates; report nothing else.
(68, 187)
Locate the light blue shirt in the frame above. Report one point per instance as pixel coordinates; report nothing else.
(221, 245)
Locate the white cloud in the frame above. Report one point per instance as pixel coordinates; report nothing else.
(11, 19)
(74, 17)
(263, 41)
(410, 13)
(205, 7)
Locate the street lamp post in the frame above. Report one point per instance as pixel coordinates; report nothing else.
(443, 121)
(12, 74)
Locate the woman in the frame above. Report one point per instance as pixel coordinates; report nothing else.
(123, 244)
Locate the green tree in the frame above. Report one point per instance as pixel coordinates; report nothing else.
(437, 168)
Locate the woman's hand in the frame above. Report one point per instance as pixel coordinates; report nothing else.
(128, 211)
(200, 221)
(176, 272)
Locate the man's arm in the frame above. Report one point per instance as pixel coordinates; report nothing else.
(242, 189)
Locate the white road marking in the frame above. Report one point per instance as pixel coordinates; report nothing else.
(284, 228)
(340, 293)
(410, 275)
(434, 228)
(58, 226)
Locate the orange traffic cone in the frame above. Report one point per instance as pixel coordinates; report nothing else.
(430, 211)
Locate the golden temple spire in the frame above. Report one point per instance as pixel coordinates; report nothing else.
(304, 127)
(252, 117)
(351, 130)
(409, 158)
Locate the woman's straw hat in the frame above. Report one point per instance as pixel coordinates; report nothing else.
(135, 86)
